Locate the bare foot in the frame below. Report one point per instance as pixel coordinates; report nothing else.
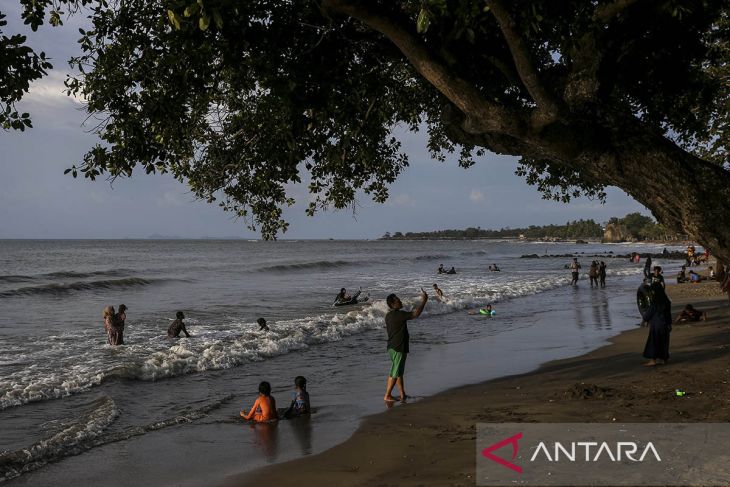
(650, 363)
(403, 398)
(388, 398)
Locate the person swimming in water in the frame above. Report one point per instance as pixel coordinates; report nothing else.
(451, 271)
(487, 311)
(439, 293)
(177, 326)
(494, 268)
(441, 269)
(264, 408)
(262, 324)
(343, 297)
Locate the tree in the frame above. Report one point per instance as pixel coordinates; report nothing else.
(240, 98)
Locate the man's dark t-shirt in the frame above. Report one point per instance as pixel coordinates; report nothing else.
(396, 323)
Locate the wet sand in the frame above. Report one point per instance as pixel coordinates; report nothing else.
(432, 442)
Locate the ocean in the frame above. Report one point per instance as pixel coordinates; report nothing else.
(74, 409)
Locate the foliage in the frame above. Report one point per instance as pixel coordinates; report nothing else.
(640, 226)
(19, 65)
(575, 229)
(241, 99)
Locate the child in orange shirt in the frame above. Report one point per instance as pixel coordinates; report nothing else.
(264, 409)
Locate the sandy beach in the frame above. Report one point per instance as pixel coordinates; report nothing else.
(432, 442)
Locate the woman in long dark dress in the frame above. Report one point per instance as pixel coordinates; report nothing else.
(659, 317)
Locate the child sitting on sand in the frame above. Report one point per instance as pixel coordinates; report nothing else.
(689, 313)
(264, 409)
(300, 400)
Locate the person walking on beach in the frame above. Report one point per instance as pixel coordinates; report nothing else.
(659, 318)
(602, 274)
(574, 268)
(396, 323)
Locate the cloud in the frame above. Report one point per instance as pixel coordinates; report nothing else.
(476, 196)
(49, 91)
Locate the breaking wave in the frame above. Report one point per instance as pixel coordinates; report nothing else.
(65, 288)
(306, 266)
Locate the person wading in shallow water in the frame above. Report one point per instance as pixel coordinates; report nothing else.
(574, 269)
(396, 322)
(119, 320)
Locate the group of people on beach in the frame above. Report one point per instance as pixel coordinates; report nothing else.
(114, 325)
(264, 408)
(442, 270)
(596, 273)
(398, 343)
(658, 316)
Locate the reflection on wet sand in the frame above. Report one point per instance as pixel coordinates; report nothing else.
(267, 436)
(302, 429)
(265, 439)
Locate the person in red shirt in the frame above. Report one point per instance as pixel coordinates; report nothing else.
(264, 409)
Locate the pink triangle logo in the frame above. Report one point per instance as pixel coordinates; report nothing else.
(487, 452)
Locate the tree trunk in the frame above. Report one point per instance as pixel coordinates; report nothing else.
(684, 192)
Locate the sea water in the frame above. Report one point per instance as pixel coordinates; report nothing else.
(73, 408)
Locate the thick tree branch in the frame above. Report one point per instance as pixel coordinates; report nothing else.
(485, 116)
(607, 11)
(582, 86)
(548, 107)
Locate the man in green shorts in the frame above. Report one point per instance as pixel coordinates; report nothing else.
(396, 323)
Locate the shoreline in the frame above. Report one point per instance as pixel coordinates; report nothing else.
(433, 441)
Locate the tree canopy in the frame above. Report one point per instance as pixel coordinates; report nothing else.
(240, 98)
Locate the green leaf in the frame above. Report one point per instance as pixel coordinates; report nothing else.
(191, 10)
(174, 20)
(204, 22)
(423, 21)
(218, 19)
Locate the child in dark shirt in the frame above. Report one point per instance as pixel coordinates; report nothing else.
(177, 326)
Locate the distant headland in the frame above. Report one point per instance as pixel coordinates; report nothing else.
(633, 227)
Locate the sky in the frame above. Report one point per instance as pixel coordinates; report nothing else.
(38, 201)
